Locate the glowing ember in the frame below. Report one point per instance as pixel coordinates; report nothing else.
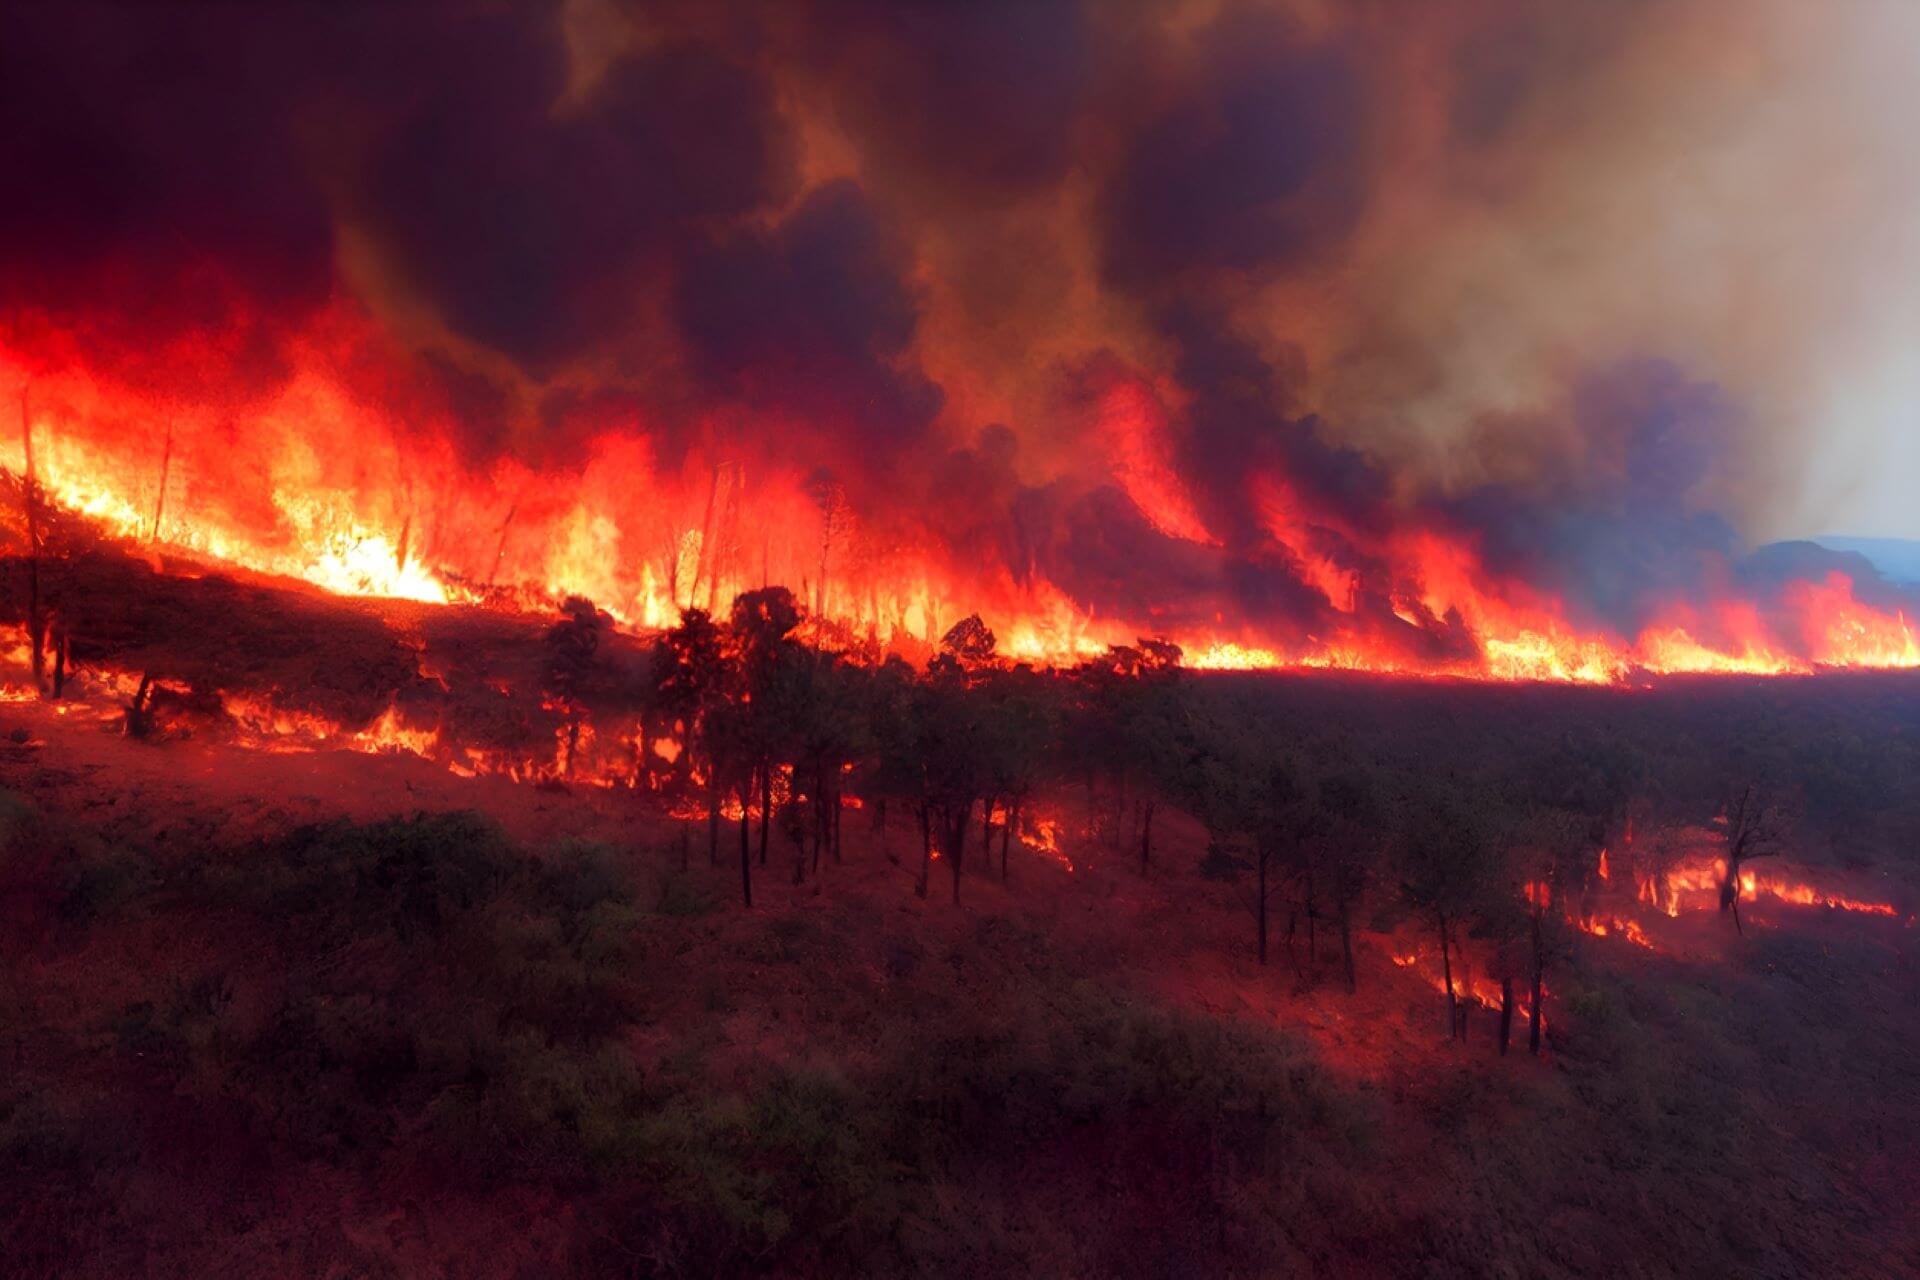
(1695, 885)
(1042, 836)
(1617, 928)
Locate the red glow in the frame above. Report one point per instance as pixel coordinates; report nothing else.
(312, 480)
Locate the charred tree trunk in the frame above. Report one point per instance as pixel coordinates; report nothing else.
(713, 815)
(1006, 837)
(139, 719)
(1446, 968)
(819, 800)
(1506, 1012)
(1730, 893)
(1146, 837)
(1539, 967)
(926, 851)
(746, 851)
(813, 833)
(160, 498)
(986, 829)
(766, 805)
(703, 561)
(957, 845)
(686, 847)
(500, 549)
(30, 499)
(406, 540)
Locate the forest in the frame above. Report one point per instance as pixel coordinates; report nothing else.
(853, 964)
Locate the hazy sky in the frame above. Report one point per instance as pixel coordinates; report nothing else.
(1736, 188)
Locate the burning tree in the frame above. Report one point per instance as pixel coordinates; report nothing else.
(892, 774)
(572, 646)
(814, 704)
(692, 679)
(1446, 857)
(951, 752)
(1756, 824)
(763, 623)
(1128, 723)
(1549, 855)
(1021, 727)
(970, 642)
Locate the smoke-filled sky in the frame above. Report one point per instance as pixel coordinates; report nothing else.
(1620, 287)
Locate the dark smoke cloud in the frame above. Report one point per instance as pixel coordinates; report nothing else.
(974, 101)
(826, 232)
(533, 225)
(152, 188)
(1624, 531)
(1103, 550)
(1259, 164)
(1243, 423)
(813, 318)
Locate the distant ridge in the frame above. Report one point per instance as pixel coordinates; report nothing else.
(1897, 559)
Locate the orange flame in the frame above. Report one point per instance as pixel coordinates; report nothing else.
(312, 482)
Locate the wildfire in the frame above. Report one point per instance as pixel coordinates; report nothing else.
(1469, 989)
(1042, 835)
(390, 511)
(1807, 896)
(1617, 928)
(1696, 885)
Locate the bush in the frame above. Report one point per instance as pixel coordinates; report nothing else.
(683, 897)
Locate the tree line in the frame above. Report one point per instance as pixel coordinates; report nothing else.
(1490, 839)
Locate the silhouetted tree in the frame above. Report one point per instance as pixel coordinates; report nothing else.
(891, 773)
(969, 642)
(763, 623)
(1020, 731)
(1550, 856)
(1222, 776)
(1446, 860)
(1755, 823)
(693, 674)
(951, 746)
(1350, 836)
(572, 645)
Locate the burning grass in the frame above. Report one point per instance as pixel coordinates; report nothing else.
(1446, 612)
